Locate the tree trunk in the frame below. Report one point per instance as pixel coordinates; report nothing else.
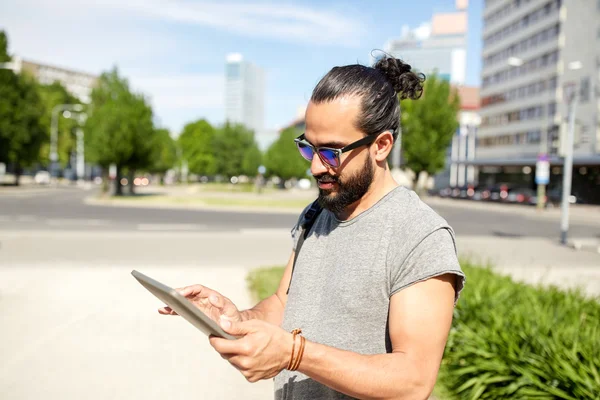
(131, 179)
(105, 181)
(18, 173)
(416, 181)
(118, 187)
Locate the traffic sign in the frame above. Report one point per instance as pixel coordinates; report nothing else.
(542, 170)
(262, 169)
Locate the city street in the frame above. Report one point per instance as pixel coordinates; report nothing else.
(63, 209)
(77, 325)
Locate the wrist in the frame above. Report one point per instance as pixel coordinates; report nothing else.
(286, 350)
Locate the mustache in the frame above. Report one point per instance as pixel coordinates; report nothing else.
(326, 178)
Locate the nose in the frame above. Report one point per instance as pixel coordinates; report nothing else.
(316, 165)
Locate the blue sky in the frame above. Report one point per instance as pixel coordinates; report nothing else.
(174, 50)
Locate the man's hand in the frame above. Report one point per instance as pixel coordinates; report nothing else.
(261, 352)
(210, 302)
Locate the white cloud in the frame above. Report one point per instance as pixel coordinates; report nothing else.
(282, 22)
(183, 91)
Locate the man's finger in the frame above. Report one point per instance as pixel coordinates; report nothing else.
(227, 348)
(193, 290)
(167, 311)
(237, 328)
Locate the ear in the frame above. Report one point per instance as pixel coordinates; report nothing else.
(383, 146)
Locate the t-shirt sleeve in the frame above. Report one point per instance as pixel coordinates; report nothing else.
(433, 256)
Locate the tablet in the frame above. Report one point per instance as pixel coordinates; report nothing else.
(182, 306)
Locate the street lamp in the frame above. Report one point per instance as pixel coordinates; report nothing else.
(54, 131)
(571, 97)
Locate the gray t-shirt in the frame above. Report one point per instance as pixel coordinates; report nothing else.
(347, 271)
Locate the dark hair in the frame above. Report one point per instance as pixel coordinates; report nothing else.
(379, 88)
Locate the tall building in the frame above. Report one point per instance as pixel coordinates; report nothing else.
(79, 84)
(459, 171)
(244, 93)
(439, 45)
(534, 51)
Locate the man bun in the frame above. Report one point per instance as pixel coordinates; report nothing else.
(407, 84)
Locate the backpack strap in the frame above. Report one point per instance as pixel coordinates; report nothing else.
(308, 220)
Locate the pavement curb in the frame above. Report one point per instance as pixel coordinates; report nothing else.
(201, 207)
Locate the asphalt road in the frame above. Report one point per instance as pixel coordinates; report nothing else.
(63, 209)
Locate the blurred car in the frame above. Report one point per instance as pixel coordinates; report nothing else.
(554, 198)
(520, 195)
(42, 178)
(498, 192)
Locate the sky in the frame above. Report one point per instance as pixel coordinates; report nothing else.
(174, 51)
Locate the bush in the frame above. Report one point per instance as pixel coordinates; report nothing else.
(512, 340)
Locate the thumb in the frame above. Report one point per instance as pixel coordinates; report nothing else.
(236, 328)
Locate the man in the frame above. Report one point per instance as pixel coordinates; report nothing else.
(376, 279)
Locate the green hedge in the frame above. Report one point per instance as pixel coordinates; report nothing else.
(510, 340)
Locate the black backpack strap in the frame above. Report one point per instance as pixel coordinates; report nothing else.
(310, 216)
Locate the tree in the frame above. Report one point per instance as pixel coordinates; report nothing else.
(197, 147)
(21, 133)
(119, 128)
(428, 125)
(233, 142)
(282, 158)
(51, 96)
(252, 160)
(164, 153)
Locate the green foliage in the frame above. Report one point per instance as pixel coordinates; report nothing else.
(263, 282)
(235, 149)
(51, 96)
(428, 125)
(514, 341)
(251, 161)
(164, 152)
(282, 158)
(21, 132)
(197, 147)
(119, 127)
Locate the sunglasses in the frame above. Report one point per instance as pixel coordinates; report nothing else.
(330, 156)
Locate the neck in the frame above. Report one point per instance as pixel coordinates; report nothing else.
(381, 185)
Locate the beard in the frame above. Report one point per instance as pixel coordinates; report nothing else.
(349, 190)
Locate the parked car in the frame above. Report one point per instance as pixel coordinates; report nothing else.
(520, 195)
(42, 178)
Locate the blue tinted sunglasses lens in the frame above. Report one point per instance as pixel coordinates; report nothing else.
(305, 150)
(329, 157)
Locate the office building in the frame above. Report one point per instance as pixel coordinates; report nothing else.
(244, 93)
(79, 84)
(534, 52)
(436, 46)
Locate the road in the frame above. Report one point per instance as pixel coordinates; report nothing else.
(64, 210)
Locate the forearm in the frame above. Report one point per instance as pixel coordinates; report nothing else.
(269, 310)
(381, 376)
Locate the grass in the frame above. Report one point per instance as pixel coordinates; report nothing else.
(263, 282)
(508, 340)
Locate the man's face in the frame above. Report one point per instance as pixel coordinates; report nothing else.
(331, 124)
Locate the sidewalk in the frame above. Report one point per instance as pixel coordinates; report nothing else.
(95, 334)
(535, 261)
(577, 212)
